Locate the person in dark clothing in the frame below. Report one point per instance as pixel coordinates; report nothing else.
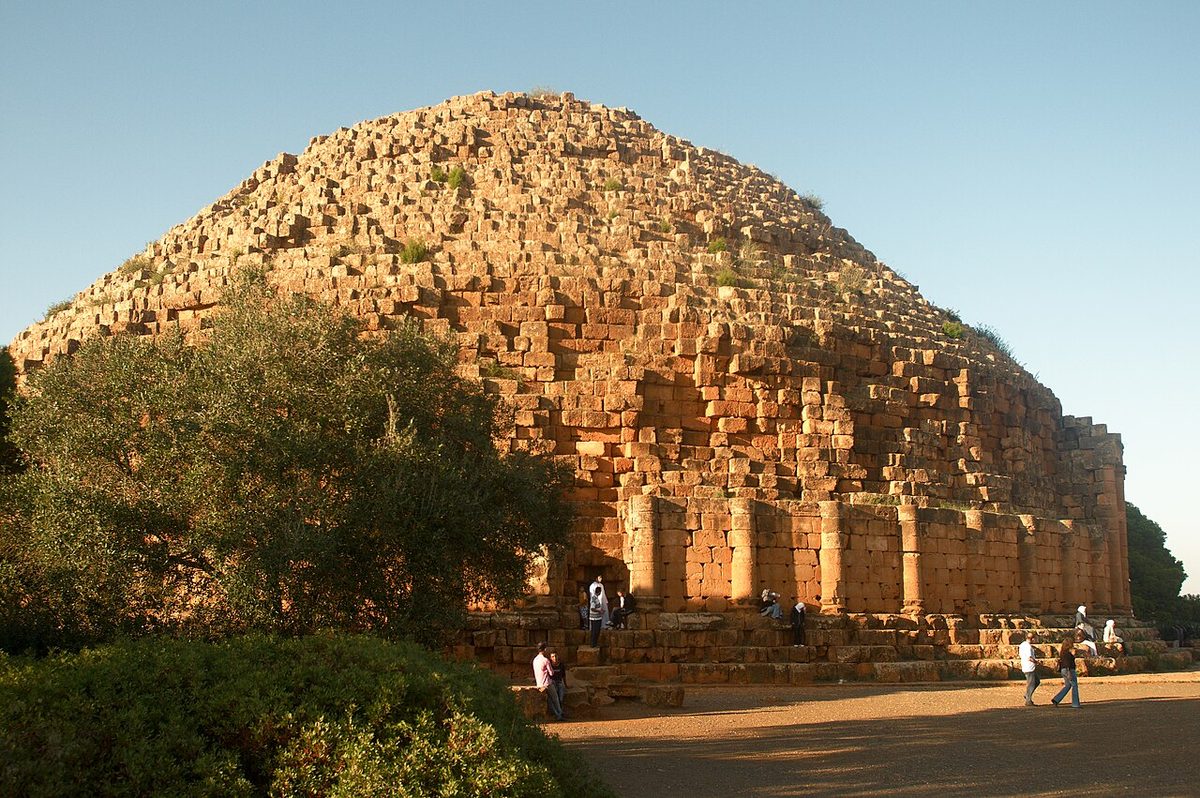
(797, 618)
(623, 607)
(558, 677)
(1066, 666)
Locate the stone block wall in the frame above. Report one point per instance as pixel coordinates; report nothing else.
(716, 555)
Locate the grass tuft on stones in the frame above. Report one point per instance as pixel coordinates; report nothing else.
(414, 251)
(135, 264)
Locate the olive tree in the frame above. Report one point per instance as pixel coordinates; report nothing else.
(290, 473)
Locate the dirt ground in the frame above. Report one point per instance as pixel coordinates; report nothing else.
(1137, 734)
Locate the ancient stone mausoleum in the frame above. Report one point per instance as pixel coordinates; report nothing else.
(749, 398)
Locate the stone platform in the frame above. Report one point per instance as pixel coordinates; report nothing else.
(746, 648)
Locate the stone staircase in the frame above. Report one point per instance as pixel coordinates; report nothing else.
(745, 648)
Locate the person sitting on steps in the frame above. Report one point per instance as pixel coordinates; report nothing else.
(769, 605)
(1111, 637)
(1081, 639)
(622, 609)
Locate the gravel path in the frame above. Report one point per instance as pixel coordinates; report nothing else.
(1134, 734)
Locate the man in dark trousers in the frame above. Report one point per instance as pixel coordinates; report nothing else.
(622, 610)
(596, 611)
(797, 622)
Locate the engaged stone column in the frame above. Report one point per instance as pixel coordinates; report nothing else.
(1070, 575)
(833, 572)
(1118, 550)
(976, 573)
(1031, 594)
(1100, 559)
(910, 546)
(743, 539)
(645, 555)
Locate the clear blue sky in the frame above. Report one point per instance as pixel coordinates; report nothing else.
(1034, 165)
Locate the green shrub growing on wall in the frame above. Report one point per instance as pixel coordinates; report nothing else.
(457, 176)
(727, 277)
(952, 329)
(134, 264)
(717, 245)
(56, 308)
(414, 251)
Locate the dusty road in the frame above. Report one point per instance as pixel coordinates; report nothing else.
(1136, 734)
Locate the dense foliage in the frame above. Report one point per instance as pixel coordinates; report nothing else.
(8, 392)
(256, 716)
(289, 475)
(1155, 576)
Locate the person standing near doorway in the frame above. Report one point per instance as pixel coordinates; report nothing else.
(596, 612)
(797, 619)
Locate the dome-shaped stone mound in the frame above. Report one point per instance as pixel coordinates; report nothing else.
(749, 398)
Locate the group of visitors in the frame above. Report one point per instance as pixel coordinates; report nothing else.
(1083, 638)
(769, 608)
(596, 614)
(550, 675)
(549, 672)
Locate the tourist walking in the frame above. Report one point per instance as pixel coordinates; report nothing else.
(1028, 656)
(1066, 666)
(543, 675)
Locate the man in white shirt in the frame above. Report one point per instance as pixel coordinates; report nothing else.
(543, 674)
(1029, 667)
(599, 583)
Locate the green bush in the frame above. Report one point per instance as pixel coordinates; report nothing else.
(952, 329)
(851, 280)
(457, 176)
(664, 227)
(438, 175)
(613, 185)
(134, 264)
(813, 201)
(727, 277)
(414, 251)
(320, 715)
(56, 308)
(717, 245)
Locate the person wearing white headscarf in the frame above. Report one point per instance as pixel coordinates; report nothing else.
(1111, 637)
